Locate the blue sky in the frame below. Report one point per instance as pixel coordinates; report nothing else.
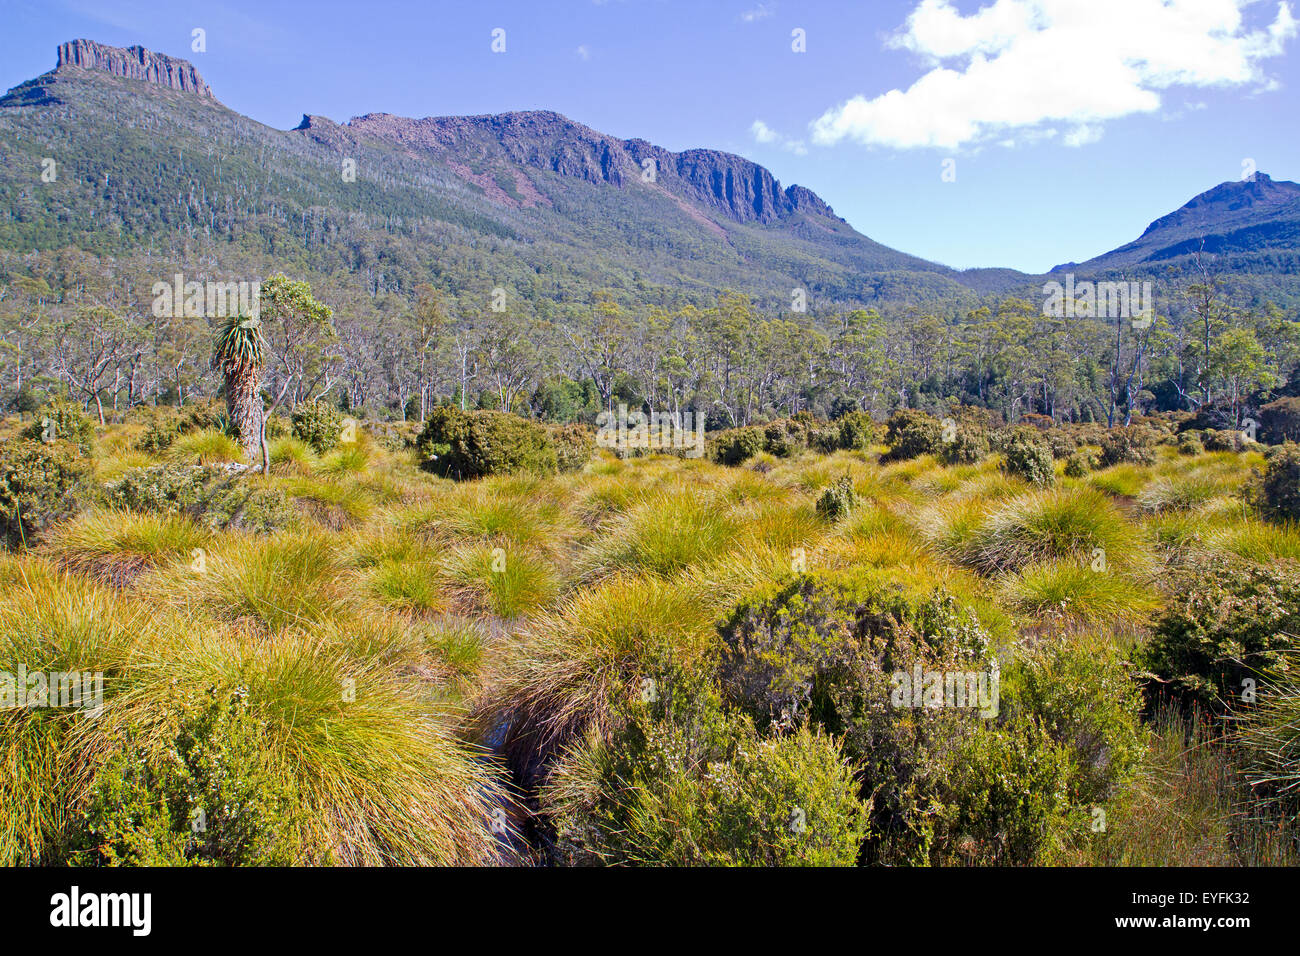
(1066, 126)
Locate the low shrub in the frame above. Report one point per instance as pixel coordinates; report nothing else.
(1224, 439)
(164, 425)
(1228, 623)
(784, 438)
(944, 780)
(857, 431)
(1028, 457)
(686, 783)
(970, 446)
(911, 434)
(1189, 443)
(1086, 699)
(1279, 421)
(838, 501)
(465, 445)
(1060, 442)
(162, 429)
(40, 482)
(574, 446)
(319, 424)
(735, 446)
(205, 797)
(215, 497)
(1079, 464)
(1131, 443)
(61, 421)
(160, 489)
(1279, 487)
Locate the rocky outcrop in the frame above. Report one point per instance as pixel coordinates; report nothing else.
(135, 63)
(730, 184)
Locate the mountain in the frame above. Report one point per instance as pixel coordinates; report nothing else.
(149, 159)
(150, 163)
(1253, 226)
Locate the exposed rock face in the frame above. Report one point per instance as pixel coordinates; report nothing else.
(134, 63)
(740, 189)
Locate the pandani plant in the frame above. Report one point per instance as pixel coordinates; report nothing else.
(240, 354)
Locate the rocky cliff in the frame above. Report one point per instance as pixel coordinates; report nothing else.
(740, 189)
(135, 63)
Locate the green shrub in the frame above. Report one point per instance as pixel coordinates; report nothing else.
(911, 434)
(1006, 796)
(39, 483)
(163, 428)
(1027, 456)
(970, 446)
(828, 650)
(685, 783)
(214, 496)
(1061, 443)
(838, 501)
(1279, 421)
(784, 438)
(1079, 464)
(1226, 623)
(165, 425)
(206, 798)
(826, 645)
(61, 421)
(161, 489)
(1279, 487)
(249, 507)
(574, 446)
(1087, 701)
(1224, 439)
(1189, 443)
(465, 445)
(857, 431)
(735, 446)
(1131, 443)
(319, 424)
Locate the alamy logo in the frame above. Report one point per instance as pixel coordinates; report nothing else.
(80, 689)
(72, 909)
(206, 300)
(975, 690)
(1101, 300)
(657, 431)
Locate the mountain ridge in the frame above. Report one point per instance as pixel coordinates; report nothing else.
(705, 217)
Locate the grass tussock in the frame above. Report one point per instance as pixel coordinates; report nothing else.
(116, 547)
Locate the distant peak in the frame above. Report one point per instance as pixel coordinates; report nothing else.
(134, 63)
(1235, 197)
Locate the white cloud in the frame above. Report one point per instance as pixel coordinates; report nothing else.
(1017, 64)
(583, 52)
(764, 134)
(760, 12)
(1082, 135)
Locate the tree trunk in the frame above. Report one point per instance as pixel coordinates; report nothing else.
(244, 403)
